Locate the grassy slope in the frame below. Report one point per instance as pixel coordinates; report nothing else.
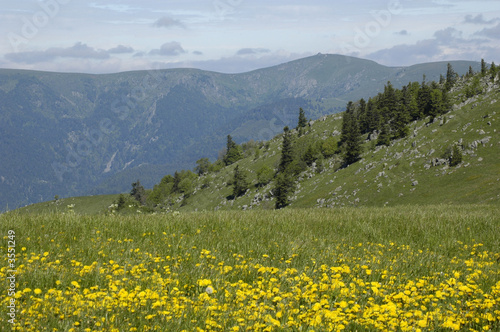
(80, 205)
(394, 175)
(385, 176)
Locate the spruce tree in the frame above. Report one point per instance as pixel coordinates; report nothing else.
(240, 182)
(302, 122)
(384, 138)
(350, 138)
(456, 155)
(471, 72)
(283, 188)
(120, 204)
(138, 192)
(352, 144)
(285, 177)
(424, 99)
(346, 123)
(286, 151)
(451, 78)
(493, 71)
(371, 120)
(436, 103)
(409, 102)
(483, 68)
(233, 152)
(309, 156)
(177, 180)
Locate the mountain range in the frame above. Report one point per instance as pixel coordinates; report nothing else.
(78, 134)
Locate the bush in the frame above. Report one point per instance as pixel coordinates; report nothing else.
(329, 147)
(456, 155)
(264, 175)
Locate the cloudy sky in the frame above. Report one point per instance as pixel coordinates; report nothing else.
(239, 35)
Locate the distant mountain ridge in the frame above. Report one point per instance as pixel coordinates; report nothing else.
(73, 134)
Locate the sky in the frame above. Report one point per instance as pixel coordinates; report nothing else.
(234, 36)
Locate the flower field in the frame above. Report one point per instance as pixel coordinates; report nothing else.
(384, 269)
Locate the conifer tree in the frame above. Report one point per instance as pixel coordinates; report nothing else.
(471, 72)
(483, 68)
(371, 121)
(309, 156)
(384, 138)
(436, 103)
(350, 136)
(493, 71)
(451, 77)
(240, 182)
(283, 188)
(456, 155)
(284, 183)
(389, 99)
(233, 152)
(138, 192)
(346, 123)
(424, 99)
(286, 151)
(177, 180)
(120, 204)
(302, 121)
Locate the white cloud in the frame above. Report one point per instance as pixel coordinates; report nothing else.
(446, 44)
(169, 49)
(121, 49)
(493, 33)
(168, 22)
(479, 19)
(79, 50)
(247, 51)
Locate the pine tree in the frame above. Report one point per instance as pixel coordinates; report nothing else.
(120, 204)
(384, 138)
(436, 103)
(233, 152)
(424, 99)
(177, 180)
(471, 72)
(202, 166)
(389, 99)
(353, 147)
(240, 182)
(493, 71)
(286, 151)
(451, 78)
(483, 68)
(350, 136)
(283, 188)
(285, 177)
(138, 192)
(456, 155)
(309, 156)
(371, 120)
(346, 123)
(302, 121)
(409, 101)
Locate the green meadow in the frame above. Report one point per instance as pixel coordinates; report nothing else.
(406, 268)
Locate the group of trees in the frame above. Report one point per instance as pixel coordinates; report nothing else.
(382, 118)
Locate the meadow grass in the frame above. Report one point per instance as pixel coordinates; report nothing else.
(409, 268)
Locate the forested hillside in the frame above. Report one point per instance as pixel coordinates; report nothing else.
(76, 134)
(426, 143)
